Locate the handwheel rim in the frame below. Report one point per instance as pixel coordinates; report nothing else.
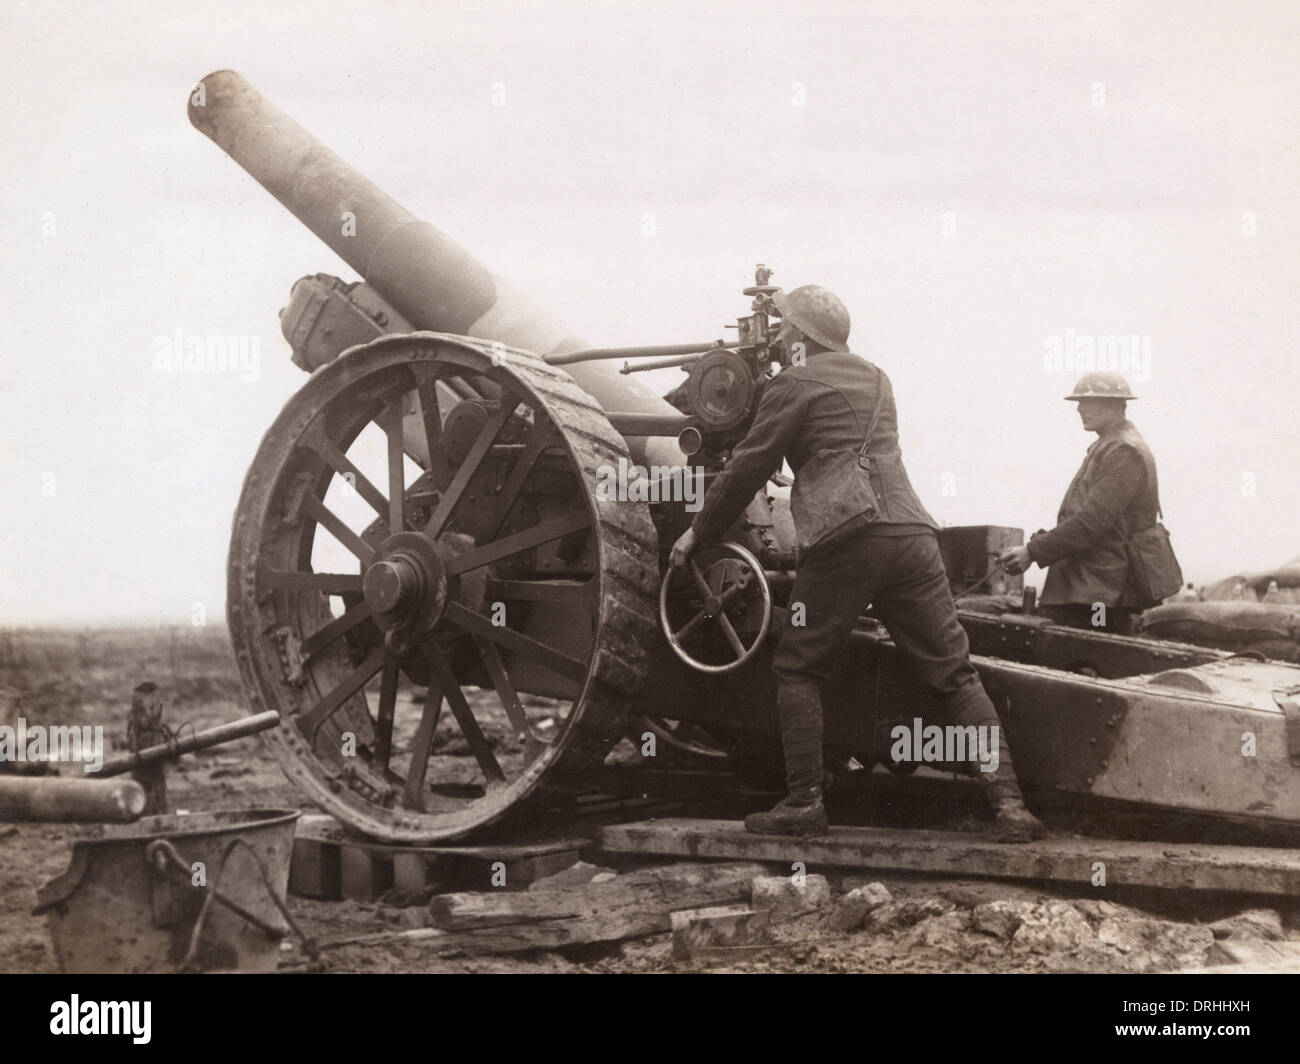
(614, 668)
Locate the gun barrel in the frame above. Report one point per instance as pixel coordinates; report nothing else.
(425, 275)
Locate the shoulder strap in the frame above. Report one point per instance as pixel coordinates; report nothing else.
(1149, 465)
(875, 411)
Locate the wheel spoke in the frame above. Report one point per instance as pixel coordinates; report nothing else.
(731, 593)
(326, 583)
(309, 723)
(516, 642)
(426, 390)
(691, 625)
(555, 528)
(317, 511)
(725, 598)
(504, 688)
(396, 473)
(482, 444)
(514, 482)
(413, 791)
(732, 638)
(351, 617)
(386, 714)
(695, 621)
(474, 736)
(698, 577)
(324, 448)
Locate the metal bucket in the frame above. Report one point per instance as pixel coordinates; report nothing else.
(196, 891)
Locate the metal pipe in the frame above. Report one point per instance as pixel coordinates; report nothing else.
(630, 423)
(222, 733)
(70, 801)
(599, 354)
(421, 272)
(662, 363)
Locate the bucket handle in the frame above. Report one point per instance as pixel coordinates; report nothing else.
(164, 858)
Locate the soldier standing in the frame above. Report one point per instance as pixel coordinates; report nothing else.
(1112, 496)
(863, 537)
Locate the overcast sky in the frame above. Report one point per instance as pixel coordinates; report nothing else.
(973, 179)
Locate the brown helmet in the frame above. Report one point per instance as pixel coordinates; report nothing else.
(818, 313)
(1101, 385)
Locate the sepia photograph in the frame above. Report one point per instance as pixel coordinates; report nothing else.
(651, 488)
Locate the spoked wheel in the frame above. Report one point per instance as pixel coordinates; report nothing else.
(426, 587)
(716, 610)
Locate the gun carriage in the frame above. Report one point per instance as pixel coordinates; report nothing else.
(457, 623)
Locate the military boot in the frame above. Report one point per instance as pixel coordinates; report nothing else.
(802, 811)
(970, 705)
(1015, 823)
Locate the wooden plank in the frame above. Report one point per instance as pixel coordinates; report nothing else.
(328, 863)
(314, 870)
(474, 872)
(589, 810)
(1175, 866)
(327, 829)
(411, 872)
(522, 872)
(364, 876)
(639, 903)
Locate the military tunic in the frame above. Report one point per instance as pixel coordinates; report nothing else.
(1112, 496)
(816, 416)
(851, 552)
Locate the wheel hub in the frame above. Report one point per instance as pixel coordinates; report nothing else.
(405, 585)
(391, 584)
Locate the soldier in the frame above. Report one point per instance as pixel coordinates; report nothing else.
(863, 537)
(1112, 496)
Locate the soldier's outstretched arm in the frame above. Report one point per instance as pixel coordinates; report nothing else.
(780, 413)
(1121, 476)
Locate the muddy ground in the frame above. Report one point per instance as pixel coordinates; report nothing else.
(915, 925)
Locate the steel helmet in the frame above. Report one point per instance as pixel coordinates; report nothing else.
(818, 313)
(1100, 385)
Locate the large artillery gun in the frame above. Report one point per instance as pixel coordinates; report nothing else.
(448, 567)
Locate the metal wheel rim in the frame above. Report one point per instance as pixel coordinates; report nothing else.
(622, 614)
